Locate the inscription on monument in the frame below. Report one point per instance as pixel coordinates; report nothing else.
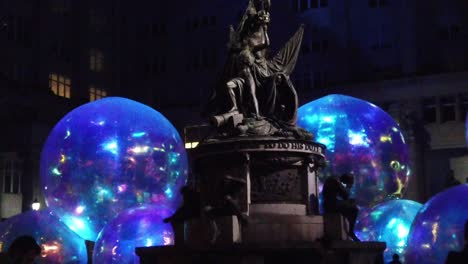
(294, 146)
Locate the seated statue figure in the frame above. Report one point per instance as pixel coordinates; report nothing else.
(253, 84)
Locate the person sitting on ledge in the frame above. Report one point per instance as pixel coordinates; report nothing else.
(23, 249)
(336, 199)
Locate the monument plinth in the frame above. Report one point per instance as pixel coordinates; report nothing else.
(278, 180)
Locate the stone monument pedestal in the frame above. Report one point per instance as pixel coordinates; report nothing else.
(276, 181)
(335, 252)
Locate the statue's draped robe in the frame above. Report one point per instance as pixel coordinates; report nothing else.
(277, 99)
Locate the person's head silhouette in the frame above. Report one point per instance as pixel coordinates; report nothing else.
(24, 249)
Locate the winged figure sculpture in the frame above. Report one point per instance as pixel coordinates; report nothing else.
(253, 84)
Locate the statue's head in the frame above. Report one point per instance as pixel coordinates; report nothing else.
(263, 17)
(347, 178)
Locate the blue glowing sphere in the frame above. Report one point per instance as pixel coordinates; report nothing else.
(109, 155)
(363, 139)
(135, 227)
(438, 227)
(388, 222)
(58, 243)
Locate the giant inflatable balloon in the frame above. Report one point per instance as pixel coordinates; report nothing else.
(388, 222)
(135, 227)
(363, 139)
(438, 227)
(109, 155)
(58, 243)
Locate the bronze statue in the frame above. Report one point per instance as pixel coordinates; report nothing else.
(253, 86)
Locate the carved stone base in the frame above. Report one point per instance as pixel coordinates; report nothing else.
(199, 232)
(339, 252)
(281, 228)
(336, 227)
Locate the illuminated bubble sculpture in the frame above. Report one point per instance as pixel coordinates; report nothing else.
(438, 227)
(363, 139)
(58, 243)
(109, 155)
(135, 227)
(388, 222)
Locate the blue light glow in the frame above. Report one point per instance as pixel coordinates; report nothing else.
(59, 244)
(109, 161)
(388, 222)
(360, 138)
(435, 228)
(135, 227)
(111, 146)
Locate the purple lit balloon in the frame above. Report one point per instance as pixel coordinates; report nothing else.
(58, 243)
(363, 139)
(135, 227)
(438, 227)
(388, 222)
(109, 155)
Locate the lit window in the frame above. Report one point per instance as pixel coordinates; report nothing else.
(191, 145)
(96, 60)
(60, 85)
(96, 94)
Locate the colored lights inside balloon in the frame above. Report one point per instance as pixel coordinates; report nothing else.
(58, 243)
(388, 222)
(109, 155)
(439, 226)
(363, 139)
(136, 227)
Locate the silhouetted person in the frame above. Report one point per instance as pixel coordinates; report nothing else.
(450, 180)
(336, 199)
(23, 250)
(459, 257)
(232, 187)
(395, 259)
(189, 209)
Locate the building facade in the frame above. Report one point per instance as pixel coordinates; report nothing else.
(409, 57)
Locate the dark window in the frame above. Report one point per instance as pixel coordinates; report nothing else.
(443, 34)
(324, 45)
(430, 110)
(295, 5)
(454, 31)
(8, 177)
(373, 3)
(213, 20)
(11, 172)
(314, 4)
(205, 21)
(447, 105)
(304, 5)
(316, 46)
(323, 3)
(464, 106)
